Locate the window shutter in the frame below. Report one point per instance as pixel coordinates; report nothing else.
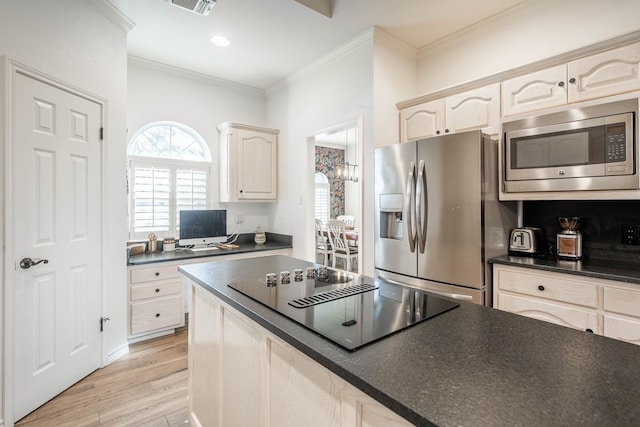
(322, 201)
(152, 191)
(191, 191)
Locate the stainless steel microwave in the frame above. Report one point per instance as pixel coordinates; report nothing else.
(590, 148)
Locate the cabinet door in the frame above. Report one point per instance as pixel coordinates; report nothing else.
(359, 410)
(535, 91)
(625, 329)
(257, 165)
(565, 315)
(300, 389)
(422, 121)
(474, 109)
(608, 73)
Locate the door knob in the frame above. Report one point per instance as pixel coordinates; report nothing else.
(28, 262)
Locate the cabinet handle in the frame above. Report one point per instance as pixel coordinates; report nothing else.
(589, 330)
(157, 273)
(561, 84)
(157, 290)
(572, 80)
(541, 288)
(157, 314)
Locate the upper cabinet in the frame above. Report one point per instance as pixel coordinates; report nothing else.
(422, 120)
(248, 163)
(474, 109)
(596, 76)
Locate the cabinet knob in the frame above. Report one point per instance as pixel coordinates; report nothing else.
(540, 288)
(157, 273)
(157, 290)
(446, 131)
(561, 84)
(572, 80)
(589, 330)
(437, 132)
(157, 314)
(241, 191)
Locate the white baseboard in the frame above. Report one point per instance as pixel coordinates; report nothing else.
(115, 355)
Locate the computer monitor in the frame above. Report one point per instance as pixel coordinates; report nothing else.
(203, 228)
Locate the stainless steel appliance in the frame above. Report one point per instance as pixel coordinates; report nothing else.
(346, 308)
(590, 148)
(528, 241)
(437, 215)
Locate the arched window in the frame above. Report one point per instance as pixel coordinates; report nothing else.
(169, 168)
(323, 197)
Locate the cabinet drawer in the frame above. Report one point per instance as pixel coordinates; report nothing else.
(557, 287)
(549, 312)
(624, 301)
(622, 329)
(156, 314)
(154, 273)
(158, 289)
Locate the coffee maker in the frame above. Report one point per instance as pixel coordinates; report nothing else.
(569, 240)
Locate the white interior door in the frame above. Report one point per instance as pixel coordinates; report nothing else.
(57, 217)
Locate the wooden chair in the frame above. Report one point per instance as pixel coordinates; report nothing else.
(339, 246)
(322, 243)
(349, 220)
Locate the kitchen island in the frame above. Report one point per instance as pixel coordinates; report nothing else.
(472, 365)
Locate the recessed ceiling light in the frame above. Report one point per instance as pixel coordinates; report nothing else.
(220, 41)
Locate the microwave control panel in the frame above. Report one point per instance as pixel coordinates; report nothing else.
(616, 143)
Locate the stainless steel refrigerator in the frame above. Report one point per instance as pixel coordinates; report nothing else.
(437, 215)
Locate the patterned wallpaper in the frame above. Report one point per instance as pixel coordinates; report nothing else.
(326, 158)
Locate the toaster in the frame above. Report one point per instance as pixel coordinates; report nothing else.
(527, 241)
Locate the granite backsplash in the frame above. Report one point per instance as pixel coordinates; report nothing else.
(601, 226)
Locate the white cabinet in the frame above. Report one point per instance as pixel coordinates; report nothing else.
(422, 120)
(157, 296)
(155, 300)
(556, 299)
(248, 163)
(470, 110)
(609, 73)
(241, 374)
(606, 307)
(474, 109)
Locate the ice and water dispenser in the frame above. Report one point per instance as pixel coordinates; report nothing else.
(390, 216)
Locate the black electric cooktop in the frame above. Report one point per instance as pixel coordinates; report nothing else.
(348, 309)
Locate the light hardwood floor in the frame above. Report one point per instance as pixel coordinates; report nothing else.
(147, 387)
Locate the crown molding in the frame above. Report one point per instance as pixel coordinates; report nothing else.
(357, 42)
(193, 75)
(114, 15)
(382, 37)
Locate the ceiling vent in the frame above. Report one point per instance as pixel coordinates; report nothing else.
(201, 7)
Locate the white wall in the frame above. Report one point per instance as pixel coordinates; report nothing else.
(534, 31)
(336, 90)
(157, 92)
(70, 41)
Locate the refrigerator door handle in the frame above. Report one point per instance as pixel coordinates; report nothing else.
(409, 204)
(422, 207)
(444, 294)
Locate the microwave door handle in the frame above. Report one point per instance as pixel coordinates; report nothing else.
(422, 207)
(409, 202)
(444, 294)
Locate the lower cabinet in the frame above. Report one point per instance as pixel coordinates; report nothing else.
(157, 296)
(241, 374)
(605, 307)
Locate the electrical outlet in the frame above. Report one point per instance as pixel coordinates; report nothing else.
(630, 234)
(239, 219)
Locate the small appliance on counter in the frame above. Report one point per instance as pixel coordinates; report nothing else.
(527, 241)
(569, 240)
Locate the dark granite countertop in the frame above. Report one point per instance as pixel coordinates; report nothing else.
(471, 366)
(245, 242)
(601, 269)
